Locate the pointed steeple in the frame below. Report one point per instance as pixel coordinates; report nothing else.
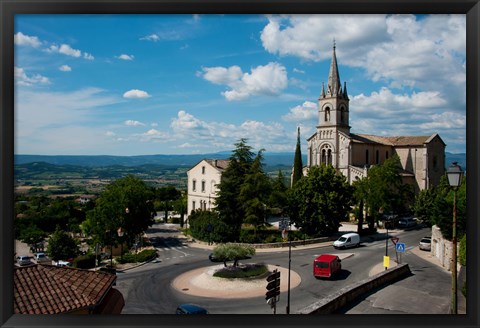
(345, 94)
(334, 85)
(322, 95)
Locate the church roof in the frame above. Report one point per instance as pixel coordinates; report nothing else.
(396, 141)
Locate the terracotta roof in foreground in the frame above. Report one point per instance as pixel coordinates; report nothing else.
(47, 289)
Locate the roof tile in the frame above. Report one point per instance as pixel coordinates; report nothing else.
(47, 289)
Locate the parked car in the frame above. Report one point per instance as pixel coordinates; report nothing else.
(347, 240)
(425, 244)
(23, 260)
(41, 258)
(190, 309)
(407, 222)
(326, 265)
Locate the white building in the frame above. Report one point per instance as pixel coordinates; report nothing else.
(203, 180)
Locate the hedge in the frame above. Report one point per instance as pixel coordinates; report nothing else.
(143, 256)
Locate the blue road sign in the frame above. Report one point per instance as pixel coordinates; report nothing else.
(400, 248)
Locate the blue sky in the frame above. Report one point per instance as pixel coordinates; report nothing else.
(187, 84)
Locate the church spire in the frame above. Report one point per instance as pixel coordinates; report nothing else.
(334, 85)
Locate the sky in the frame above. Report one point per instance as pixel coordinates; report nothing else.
(194, 84)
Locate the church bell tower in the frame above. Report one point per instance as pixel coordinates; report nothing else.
(333, 106)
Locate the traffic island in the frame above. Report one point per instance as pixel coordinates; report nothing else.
(350, 293)
(201, 282)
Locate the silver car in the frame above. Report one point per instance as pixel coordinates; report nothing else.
(23, 260)
(425, 244)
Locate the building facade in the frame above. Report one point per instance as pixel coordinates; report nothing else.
(422, 157)
(203, 180)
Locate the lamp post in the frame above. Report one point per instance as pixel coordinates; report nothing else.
(289, 263)
(454, 174)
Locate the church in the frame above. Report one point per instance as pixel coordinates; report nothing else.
(422, 157)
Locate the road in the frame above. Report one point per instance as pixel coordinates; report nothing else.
(147, 289)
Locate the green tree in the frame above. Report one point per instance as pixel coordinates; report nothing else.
(206, 225)
(297, 162)
(126, 203)
(254, 194)
(232, 252)
(425, 206)
(229, 206)
(383, 188)
(320, 201)
(278, 196)
(167, 195)
(32, 235)
(180, 206)
(61, 246)
(443, 211)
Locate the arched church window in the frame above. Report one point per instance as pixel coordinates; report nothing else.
(327, 114)
(329, 157)
(324, 157)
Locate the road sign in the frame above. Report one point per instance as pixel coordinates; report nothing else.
(272, 293)
(400, 248)
(394, 240)
(273, 284)
(273, 276)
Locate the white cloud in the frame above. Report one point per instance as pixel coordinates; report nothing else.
(126, 57)
(133, 123)
(446, 120)
(223, 135)
(110, 134)
(67, 50)
(308, 111)
(136, 94)
(405, 51)
(269, 80)
(21, 78)
(21, 39)
(65, 68)
(40, 112)
(151, 37)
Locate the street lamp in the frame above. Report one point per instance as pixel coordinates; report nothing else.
(454, 174)
(289, 263)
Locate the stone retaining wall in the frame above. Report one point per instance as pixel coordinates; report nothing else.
(348, 294)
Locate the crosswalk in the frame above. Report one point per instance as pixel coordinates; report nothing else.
(169, 248)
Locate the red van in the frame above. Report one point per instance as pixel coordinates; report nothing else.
(326, 265)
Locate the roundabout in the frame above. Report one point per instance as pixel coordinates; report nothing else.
(201, 282)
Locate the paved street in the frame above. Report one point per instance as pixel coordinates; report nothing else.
(426, 291)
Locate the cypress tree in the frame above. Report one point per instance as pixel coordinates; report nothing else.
(297, 162)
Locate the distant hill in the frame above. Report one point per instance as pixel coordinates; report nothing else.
(270, 159)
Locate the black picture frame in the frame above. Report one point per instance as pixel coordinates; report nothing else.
(10, 8)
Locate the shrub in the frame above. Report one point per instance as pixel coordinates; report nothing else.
(462, 251)
(143, 256)
(244, 271)
(84, 261)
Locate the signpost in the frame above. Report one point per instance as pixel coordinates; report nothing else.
(400, 248)
(273, 289)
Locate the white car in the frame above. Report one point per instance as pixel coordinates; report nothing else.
(63, 264)
(41, 257)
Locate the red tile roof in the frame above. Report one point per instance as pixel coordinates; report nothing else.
(47, 289)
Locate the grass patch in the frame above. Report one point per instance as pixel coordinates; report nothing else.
(242, 271)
